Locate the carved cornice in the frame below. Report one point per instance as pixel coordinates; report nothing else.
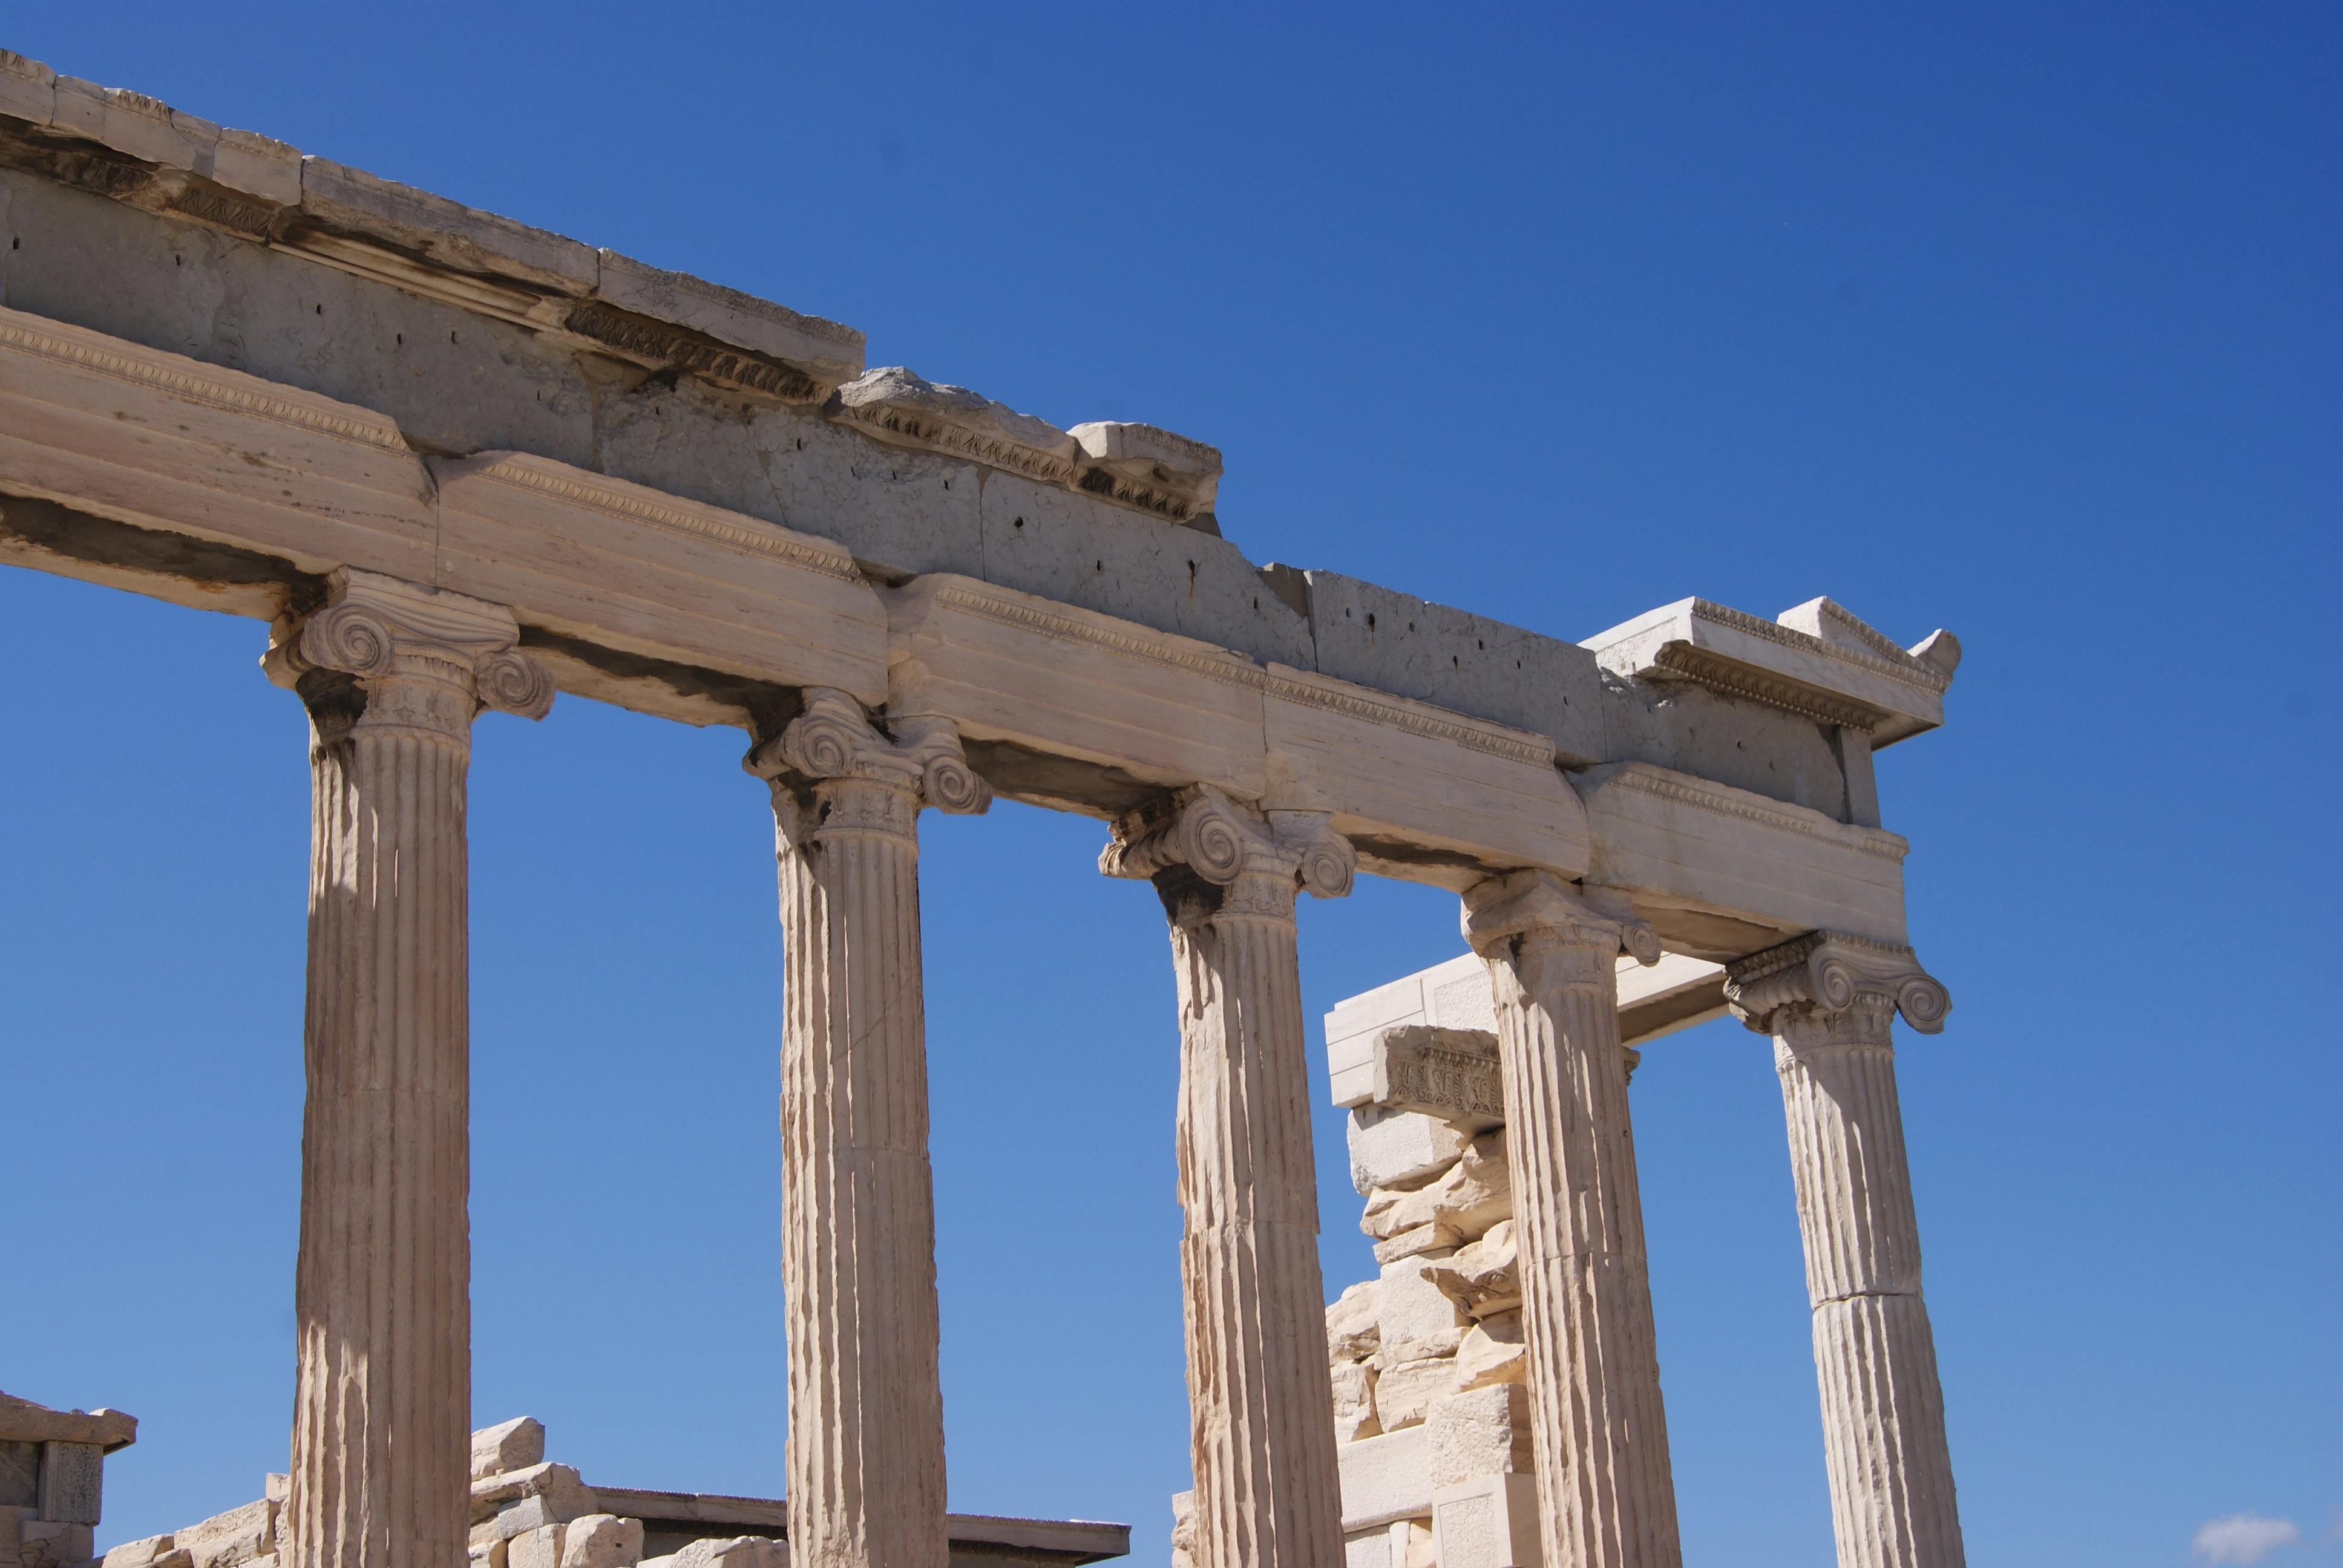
(1683, 789)
(1202, 831)
(383, 632)
(894, 405)
(1828, 973)
(524, 472)
(1896, 665)
(1527, 904)
(185, 379)
(1740, 680)
(1150, 468)
(833, 742)
(1231, 670)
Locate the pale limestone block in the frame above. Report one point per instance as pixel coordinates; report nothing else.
(489, 1554)
(735, 1552)
(237, 1536)
(276, 1486)
(1407, 1306)
(538, 1548)
(1449, 1074)
(28, 89)
(257, 165)
(1480, 1431)
(531, 1513)
(1354, 1402)
(1413, 1543)
(1353, 1322)
(1384, 1479)
(561, 1483)
(601, 1541)
(132, 123)
(1487, 1521)
(140, 1553)
(1404, 1389)
(1434, 1240)
(53, 1541)
(1471, 1196)
(1483, 1277)
(827, 350)
(667, 1561)
(1368, 1548)
(1399, 1148)
(505, 1449)
(1183, 1529)
(73, 1476)
(1492, 1352)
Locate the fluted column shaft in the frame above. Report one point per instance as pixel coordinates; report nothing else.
(866, 1440)
(392, 676)
(1260, 1396)
(1829, 1003)
(1607, 1494)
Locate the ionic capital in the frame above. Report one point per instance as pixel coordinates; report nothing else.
(1824, 975)
(424, 656)
(1523, 912)
(1259, 857)
(832, 747)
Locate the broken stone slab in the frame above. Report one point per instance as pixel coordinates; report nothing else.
(1482, 1277)
(896, 405)
(1479, 1431)
(538, 1548)
(601, 1541)
(140, 1553)
(1409, 1306)
(1353, 1323)
(1431, 1240)
(508, 1447)
(558, 1482)
(1395, 1148)
(1492, 1352)
(28, 89)
(1406, 1389)
(240, 1536)
(1151, 469)
(1354, 1402)
(1470, 1197)
(735, 1552)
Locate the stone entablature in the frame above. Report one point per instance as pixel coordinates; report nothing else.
(53, 1480)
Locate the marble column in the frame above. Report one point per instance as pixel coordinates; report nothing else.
(1828, 1000)
(392, 674)
(1260, 1398)
(866, 1443)
(1606, 1497)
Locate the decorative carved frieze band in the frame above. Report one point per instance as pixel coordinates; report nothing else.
(378, 629)
(1451, 1073)
(896, 406)
(1688, 789)
(1205, 832)
(1739, 679)
(1150, 468)
(1829, 973)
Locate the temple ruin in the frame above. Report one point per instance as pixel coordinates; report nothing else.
(455, 465)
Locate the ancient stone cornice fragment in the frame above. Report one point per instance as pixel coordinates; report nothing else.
(1817, 660)
(1151, 469)
(22, 1421)
(900, 407)
(1827, 973)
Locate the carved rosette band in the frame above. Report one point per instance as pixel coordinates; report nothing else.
(1829, 1001)
(393, 675)
(1268, 1493)
(1606, 1494)
(866, 1435)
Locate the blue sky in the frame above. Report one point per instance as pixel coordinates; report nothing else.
(2018, 320)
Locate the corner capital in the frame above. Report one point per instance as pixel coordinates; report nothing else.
(378, 629)
(1201, 830)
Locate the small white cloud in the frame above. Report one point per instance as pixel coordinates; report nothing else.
(2243, 1538)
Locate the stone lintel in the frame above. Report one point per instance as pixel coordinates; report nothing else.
(22, 1421)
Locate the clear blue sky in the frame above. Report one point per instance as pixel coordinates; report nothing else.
(2021, 320)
